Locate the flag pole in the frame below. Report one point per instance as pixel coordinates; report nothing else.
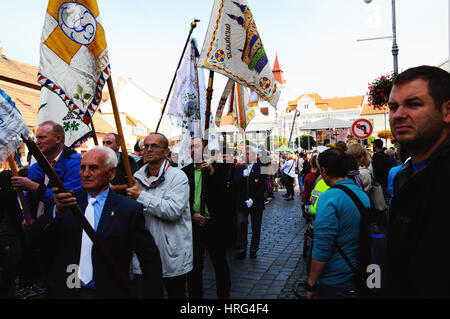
(193, 26)
(93, 131)
(23, 202)
(123, 146)
(209, 94)
(54, 178)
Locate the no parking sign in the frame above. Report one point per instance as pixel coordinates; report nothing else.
(362, 129)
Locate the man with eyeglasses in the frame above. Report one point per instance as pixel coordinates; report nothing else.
(164, 192)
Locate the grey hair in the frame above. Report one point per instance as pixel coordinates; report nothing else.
(111, 157)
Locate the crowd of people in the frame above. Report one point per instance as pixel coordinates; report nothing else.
(158, 229)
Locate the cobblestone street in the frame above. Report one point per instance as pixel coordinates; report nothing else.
(279, 265)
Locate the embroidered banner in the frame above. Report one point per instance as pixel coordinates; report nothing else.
(233, 47)
(12, 126)
(74, 61)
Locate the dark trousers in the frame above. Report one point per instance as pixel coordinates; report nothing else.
(242, 228)
(289, 181)
(175, 287)
(207, 238)
(334, 292)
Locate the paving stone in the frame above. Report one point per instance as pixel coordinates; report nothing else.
(279, 265)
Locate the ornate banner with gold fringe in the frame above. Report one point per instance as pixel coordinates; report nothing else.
(234, 48)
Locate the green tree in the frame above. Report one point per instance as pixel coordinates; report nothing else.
(307, 142)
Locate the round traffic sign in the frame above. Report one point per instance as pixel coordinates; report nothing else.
(362, 129)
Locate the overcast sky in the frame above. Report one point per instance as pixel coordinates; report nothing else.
(315, 39)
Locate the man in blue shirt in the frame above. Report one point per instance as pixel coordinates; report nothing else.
(337, 222)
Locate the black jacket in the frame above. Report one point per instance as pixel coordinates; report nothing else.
(121, 175)
(419, 221)
(122, 232)
(252, 187)
(381, 166)
(212, 196)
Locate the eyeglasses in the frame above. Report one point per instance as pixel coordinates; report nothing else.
(153, 146)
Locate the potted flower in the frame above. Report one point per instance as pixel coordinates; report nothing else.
(379, 91)
(385, 134)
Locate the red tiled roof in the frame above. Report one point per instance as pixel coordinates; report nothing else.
(342, 103)
(368, 109)
(18, 71)
(227, 120)
(337, 103)
(320, 103)
(19, 81)
(26, 100)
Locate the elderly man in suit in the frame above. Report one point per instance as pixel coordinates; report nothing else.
(118, 222)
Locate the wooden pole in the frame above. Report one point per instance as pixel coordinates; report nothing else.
(93, 131)
(23, 202)
(193, 26)
(209, 93)
(120, 133)
(54, 178)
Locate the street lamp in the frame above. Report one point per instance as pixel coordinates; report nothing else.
(394, 36)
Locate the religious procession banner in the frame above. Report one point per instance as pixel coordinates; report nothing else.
(52, 107)
(233, 47)
(242, 112)
(74, 64)
(12, 126)
(188, 104)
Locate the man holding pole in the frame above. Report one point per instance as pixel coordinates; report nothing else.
(164, 192)
(65, 162)
(207, 223)
(77, 270)
(50, 139)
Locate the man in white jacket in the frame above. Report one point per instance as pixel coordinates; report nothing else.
(164, 192)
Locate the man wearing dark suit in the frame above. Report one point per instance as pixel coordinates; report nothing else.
(206, 225)
(119, 183)
(118, 222)
(224, 174)
(249, 201)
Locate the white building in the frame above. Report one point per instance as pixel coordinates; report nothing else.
(143, 107)
(312, 107)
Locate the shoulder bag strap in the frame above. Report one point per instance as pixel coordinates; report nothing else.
(361, 208)
(291, 167)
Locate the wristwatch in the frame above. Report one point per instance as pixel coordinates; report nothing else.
(310, 288)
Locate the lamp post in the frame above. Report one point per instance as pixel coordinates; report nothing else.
(394, 37)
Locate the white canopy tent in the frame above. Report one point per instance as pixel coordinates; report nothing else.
(327, 123)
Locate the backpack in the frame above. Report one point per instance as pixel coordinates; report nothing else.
(369, 278)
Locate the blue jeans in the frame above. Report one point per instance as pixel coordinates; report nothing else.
(300, 182)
